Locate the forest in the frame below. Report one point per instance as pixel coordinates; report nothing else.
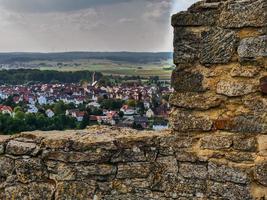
(26, 76)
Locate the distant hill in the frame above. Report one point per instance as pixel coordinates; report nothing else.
(142, 57)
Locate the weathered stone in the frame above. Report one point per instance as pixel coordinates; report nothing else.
(262, 145)
(263, 85)
(249, 124)
(260, 173)
(244, 143)
(192, 100)
(244, 71)
(2, 149)
(237, 14)
(169, 164)
(197, 171)
(169, 145)
(253, 47)
(61, 171)
(99, 172)
(29, 170)
(240, 157)
(133, 170)
(32, 191)
(6, 166)
(216, 142)
(183, 81)
(185, 121)
(75, 190)
(129, 155)
(222, 173)
(186, 46)
(20, 148)
(229, 191)
(233, 88)
(256, 103)
(217, 46)
(179, 187)
(186, 156)
(195, 18)
(76, 157)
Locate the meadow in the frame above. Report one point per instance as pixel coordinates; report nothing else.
(161, 69)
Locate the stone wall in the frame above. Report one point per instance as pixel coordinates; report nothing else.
(220, 99)
(216, 149)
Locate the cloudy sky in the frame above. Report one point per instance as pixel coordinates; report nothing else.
(87, 25)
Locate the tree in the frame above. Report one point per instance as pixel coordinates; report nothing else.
(131, 103)
(121, 114)
(59, 108)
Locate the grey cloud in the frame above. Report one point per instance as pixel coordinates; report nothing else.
(54, 5)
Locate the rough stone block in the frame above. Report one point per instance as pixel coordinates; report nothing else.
(216, 142)
(186, 121)
(75, 190)
(233, 88)
(223, 173)
(7, 166)
(184, 81)
(186, 46)
(229, 191)
(256, 104)
(217, 46)
(195, 18)
(237, 14)
(186, 156)
(77, 157)
(129, 155)
(249, 124)
(193, 100)
(33, 191)
(240, 157)
(253, 47)
(244, 71)
(169, 164)
(244, 143)
(181, 187)
(262, 145)
(189, 170)
(260, 173)
(29, 170)
(20, 148)
(133, 170)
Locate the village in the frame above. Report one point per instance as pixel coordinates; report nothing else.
(138, 106)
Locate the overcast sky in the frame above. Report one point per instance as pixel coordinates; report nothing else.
(87, 25)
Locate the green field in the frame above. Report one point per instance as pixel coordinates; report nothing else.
(163, 70)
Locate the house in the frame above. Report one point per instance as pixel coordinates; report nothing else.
(32, 109)
(127, 110)
(150, 113)
(94, 104)
(79, 116)
(6, 110)
(17, 99)
(49, 113)
(42, 100)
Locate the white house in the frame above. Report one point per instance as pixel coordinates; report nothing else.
(49, 113)
(150, 113)
(42, 100)
(32, 109)
(94, 104)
